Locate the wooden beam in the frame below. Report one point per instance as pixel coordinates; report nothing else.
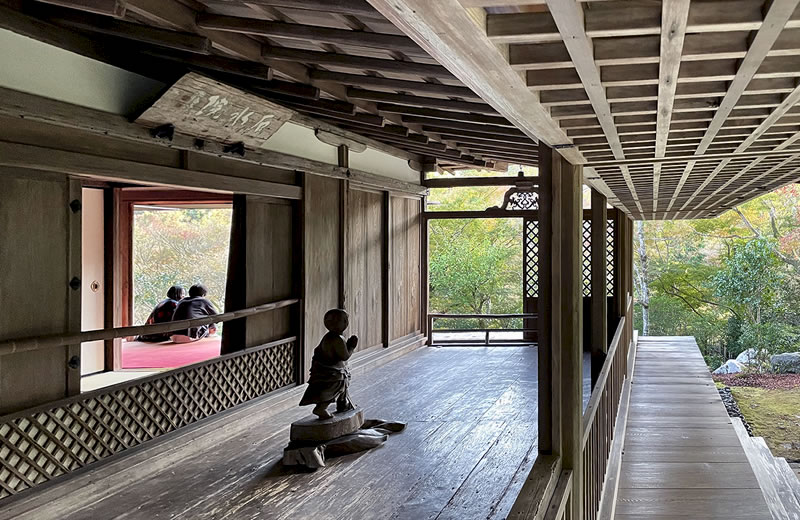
(251, 26)
(458, 125)
(419, 101)
(236, 68)
(18, 105)
(355, 62)
(779, 14)
(114, 8)
(674, 16)
(181, 41)
(454, 134)
(358, 80)
(444, 114)
(568, 17)
(449, 34)
(621, 19)
(348, 7)
(790, 101)
(453, 182)
(82, 165)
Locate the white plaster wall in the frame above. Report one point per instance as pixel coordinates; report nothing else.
(300, 141)
(37, 68)
(381, 163)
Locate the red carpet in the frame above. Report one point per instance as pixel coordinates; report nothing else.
(136, 354)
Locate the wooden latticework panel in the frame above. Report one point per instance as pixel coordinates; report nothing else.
(586, 258)
(610, 226)
(43, 443)
(531, 259)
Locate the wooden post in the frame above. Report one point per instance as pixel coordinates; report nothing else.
(72, 362)
(424, 276)
(234, 333)
(344, 191)
(619, 270)
(571, 289)
(387, 269)
(599, 290)
(545, 326)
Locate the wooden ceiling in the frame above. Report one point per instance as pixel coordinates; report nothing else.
(684, 108)
(677, 109)
(338, 61)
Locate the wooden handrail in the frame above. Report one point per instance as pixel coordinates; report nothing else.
(478, 316)
(57, 340)
(597, 392)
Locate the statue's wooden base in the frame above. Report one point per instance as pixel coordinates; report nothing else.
(314, 429)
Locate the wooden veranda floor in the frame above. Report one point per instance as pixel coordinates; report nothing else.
(470, 442)
(682, 457)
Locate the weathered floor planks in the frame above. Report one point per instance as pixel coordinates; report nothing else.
(682, 457)
(469, 445)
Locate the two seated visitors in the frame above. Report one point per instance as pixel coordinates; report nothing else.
(175, 308)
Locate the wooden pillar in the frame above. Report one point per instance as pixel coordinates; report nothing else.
(549, 436)
(619, 269)
(424, 298)
(344, 198)
(571, 289)
(234, 332)
(388, 295)
(72, 360)
(599, 289)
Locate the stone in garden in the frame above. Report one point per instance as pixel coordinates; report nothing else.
(729, 367)
(785, 363)
(747, 357)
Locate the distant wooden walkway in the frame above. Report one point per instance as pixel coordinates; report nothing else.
(682, 457)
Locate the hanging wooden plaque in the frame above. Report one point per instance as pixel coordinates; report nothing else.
(205, 108)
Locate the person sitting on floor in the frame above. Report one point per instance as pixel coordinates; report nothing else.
(162, 313)
(195, 306)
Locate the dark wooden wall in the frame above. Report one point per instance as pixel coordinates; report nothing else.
(270, 268)
(322, 248)
(35, 228)
(405, 266)
(346, 250)
(364, 266)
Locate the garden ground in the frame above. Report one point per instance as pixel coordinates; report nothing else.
(771, 404)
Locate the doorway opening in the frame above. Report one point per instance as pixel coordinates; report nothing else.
(178, 245)
(137, 242)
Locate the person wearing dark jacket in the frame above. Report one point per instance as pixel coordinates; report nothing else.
(195, 306)
(162, 313)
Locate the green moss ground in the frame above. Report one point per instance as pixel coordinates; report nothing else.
(774, 415)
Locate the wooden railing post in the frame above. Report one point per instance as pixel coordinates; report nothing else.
(599, 291)
(571, 289)
(549, 436)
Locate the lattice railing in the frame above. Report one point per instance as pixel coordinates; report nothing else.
(43, 443)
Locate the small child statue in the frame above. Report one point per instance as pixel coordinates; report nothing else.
(330, 378)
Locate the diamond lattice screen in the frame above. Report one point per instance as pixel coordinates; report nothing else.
(586, 261)
(610, 257)
(531, 259)
(46, 442)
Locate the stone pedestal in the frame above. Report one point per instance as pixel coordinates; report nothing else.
(313, 429)
(312, 439)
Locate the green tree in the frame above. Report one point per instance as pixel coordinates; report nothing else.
(178, 247)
